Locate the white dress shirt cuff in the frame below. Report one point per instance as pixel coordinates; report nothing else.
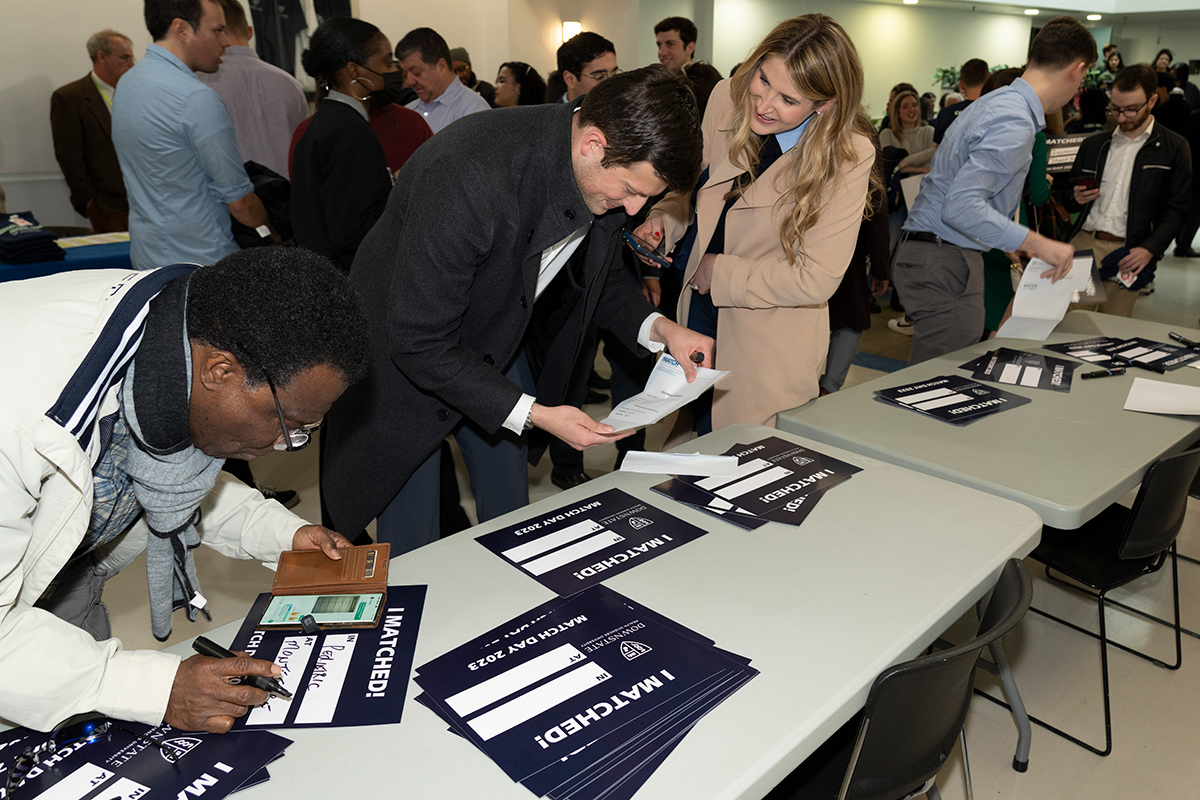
(520, 413)
(644, 335)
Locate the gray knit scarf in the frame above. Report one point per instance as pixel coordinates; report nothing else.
(170, 476)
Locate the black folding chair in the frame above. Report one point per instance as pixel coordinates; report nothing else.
(1115, 548)
(914, 713)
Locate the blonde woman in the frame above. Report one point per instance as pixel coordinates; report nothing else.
(908, 131)
(788, 154)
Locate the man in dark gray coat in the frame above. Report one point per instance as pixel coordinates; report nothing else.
(496, 249)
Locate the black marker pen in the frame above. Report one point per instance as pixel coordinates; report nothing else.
(1104, 373)
(207, 647)
(1181, 340)
(1140, 364)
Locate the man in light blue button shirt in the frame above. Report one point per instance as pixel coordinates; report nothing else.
(968, 199)
(176, 144)
(441, 97)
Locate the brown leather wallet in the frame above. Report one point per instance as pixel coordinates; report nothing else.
(360, 569)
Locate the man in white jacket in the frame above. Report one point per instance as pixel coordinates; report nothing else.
(123, 394)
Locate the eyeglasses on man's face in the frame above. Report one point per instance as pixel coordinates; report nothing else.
(1128, 111)
(293, 438)
(598, 75)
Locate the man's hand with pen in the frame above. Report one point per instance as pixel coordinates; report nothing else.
(210, 693)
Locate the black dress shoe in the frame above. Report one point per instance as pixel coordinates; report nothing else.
(1186, 253)
(597, 382)
(875, 307)
(565, 480)
(594, 397)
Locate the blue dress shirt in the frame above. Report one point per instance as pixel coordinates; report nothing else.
(180, 161)
(977, 176)
(454, 103)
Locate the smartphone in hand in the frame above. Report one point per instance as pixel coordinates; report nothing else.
(645, 249)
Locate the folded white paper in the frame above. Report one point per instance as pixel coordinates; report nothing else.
(911, 187)
(1040, 305)
(1160, 397)
(697, 464)
(666, 390)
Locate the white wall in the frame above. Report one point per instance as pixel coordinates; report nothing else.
(896, 43)
(44, 48)
(1140, 42)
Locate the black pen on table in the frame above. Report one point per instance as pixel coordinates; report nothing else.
(1104, 373)
(1139, 364)
(207, 647)
(1183, 341)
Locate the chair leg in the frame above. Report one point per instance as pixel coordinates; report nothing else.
(966, 764)
(1176, 626)
(932, 792)
(1175, 557)
(1103, 637)
(1017, 706)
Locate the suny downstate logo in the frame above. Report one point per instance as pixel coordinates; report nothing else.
(179, 746)
(637, 523)
(632, 650)
(802, 461)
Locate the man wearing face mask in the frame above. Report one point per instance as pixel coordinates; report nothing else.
(175, 141)
(340, 177)
(265, 103)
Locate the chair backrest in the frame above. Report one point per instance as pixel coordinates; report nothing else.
(1157, 513)
(916, 710)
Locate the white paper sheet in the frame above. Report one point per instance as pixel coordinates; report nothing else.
(911, 187)
(1160, 397)
(1040, 305)
(697, 464)
(666, 391)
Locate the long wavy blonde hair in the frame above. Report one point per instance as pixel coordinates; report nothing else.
(823, 64)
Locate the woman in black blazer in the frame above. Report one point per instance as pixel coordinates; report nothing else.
(340, 178)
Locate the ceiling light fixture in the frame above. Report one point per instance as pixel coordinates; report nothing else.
(1031, 12)
(1094, 17)
(910, 2)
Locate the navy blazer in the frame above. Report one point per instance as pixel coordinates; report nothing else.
(448, 277)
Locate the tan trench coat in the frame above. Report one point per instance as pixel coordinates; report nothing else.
(773, 324)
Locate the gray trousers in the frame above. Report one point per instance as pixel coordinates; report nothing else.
(942, 287)
(499, 470)
(843, 345)
(77, 593)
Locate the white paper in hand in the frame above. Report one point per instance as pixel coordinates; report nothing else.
(666, 391)
(1040, 304)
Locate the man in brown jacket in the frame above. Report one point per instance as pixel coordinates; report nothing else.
(81, 122)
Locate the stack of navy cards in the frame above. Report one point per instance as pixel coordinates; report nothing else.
(1019, 368)
(1106, 352)
(776, 481)
(572, 548)
(952, 399)
(339, 677)
(120, 766)
(583, 697)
